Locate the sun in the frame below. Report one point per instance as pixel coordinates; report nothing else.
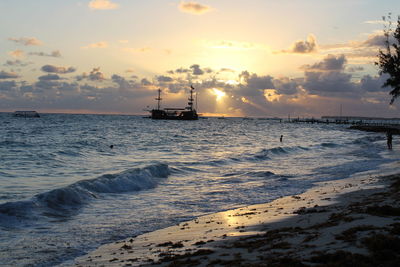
(218, 93)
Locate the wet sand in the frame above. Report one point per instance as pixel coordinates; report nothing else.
(354, 221)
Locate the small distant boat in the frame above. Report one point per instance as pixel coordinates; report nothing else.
(187, 113)
(26, 114)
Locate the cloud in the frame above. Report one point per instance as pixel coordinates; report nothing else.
(332, 83)
(96, 45)
(355, 69)
(17, 53)
(286, 86)
(329, 63)
(372, 84)
(94, 75)
(123, 83)
(27, 41)
(327, 78)
(55, 53)
(374, 40)
(194, 8)
(323, 85)
(182, 70)
(7, 86)
(364, 50)
(8, 75)
(303, 47)
(163, 78)
(193, 70)
(226, 70)
(145, 82)
(253, 81)
(49, 77)
(16, 63)
(196, 69)
(102, 4)
(59, 70)
(253, 85)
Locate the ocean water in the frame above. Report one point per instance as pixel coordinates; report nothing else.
(64, 191)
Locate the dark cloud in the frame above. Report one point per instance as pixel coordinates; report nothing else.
(49, 77)
(82, 77)
(96, 75)
(253, 81)
(182, 70)
(196, 70)
(193, 69)
(163, 78)
(7, 85)
(55, 53)
(59, 70)
(8, 75)
(46, 85)
(327, 78)
(123, 83)
(332, 83)
(372, 84)
(303, 47)
(145, 82)
(286, 85)
(329, 63)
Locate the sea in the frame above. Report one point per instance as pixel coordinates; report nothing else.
(70, 183)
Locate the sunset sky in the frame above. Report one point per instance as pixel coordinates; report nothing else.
(261, 58)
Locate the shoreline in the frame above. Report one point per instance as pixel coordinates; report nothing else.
(333, 221)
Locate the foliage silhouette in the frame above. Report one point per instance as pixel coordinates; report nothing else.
(389, 58)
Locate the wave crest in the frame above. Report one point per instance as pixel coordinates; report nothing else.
(74, 195)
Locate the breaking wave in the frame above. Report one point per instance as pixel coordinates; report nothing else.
(63, 201)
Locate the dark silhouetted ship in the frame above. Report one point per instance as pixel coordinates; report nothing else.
(26, 114)
(187, 113)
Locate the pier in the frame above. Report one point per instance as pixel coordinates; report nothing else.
(357, 123)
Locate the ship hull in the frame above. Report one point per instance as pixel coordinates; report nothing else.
(157, 114)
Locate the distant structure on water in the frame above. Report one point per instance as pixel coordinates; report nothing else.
(354, 120)
(26, 114)
(187, 113)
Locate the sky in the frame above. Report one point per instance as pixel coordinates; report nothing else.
(255, 58)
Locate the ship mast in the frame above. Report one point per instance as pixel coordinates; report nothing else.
(158, 99)
(190, 103)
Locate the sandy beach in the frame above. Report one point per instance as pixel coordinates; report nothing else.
(337, 223)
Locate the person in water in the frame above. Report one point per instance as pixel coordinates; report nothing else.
(389, 139)
(281, 138)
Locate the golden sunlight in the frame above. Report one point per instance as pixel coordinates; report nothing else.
(218, 93)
